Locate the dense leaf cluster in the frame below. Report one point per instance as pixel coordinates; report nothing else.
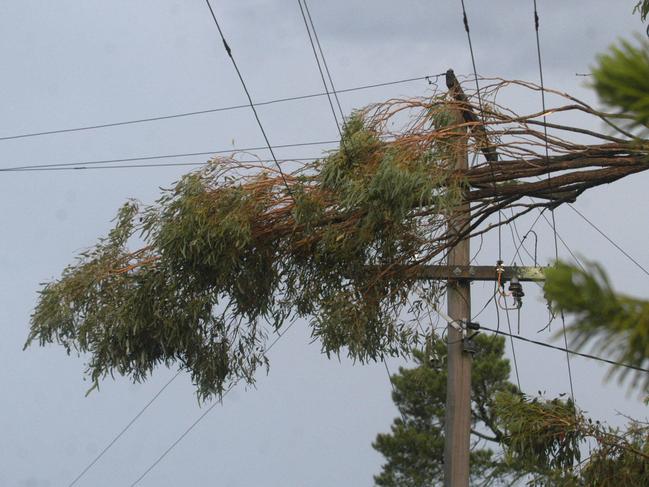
(230, 257)
(642, 7)
(613, 324)
(547, 438)
(621, 80)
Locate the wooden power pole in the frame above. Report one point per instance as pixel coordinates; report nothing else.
(459, 274)
(458, 391)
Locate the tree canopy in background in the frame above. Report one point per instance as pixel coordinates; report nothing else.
(414, 448)
(517, 439)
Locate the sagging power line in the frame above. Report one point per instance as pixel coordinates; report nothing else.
(427, 78)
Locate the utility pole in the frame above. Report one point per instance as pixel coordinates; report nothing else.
(459, 274)
(458, 389)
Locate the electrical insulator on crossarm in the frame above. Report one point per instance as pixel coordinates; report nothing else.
(516, 290)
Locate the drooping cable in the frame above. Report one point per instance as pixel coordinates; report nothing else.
(324, 60)
(123, 430)
(547, 156)
(566, 350)
(201, 417)
(393, 387)
(233, 150)
(465, 21)
(228, 50)
(509, 328)
(426, 78)
(610, 240)
(313, 34)
(148, 166)
(320, 70)
(574, 256)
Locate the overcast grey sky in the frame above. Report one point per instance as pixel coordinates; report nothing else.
(311, 421)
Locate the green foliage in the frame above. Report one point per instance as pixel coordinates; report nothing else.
(538, 432)
(642, 7)
(619, 460)
(229, 259)
(613, 324)
(621, 79)
(414, 448)
(546, 438)
(541, 440)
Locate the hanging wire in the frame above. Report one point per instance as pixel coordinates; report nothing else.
(566, 350)
(465, 20)
(233, 150)
(610, 240)
(547, 155)
(228, 50)
(324, 61)
(310, 27)
(124, 430)
(509, 328)
(201, 417)
(320, 70)
(427, 78)
(141, 166)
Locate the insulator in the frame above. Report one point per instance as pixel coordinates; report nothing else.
(516, 290)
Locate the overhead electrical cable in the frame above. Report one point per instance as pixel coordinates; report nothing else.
(547, 155)
(310, 28)
(465, 20)
(124, 430)
(200, 418)
(566, 350)
(610, 240)
(324, 61)
(162, 164)
(234, 150)
(320, 70)
(211, 110)
(228, 50)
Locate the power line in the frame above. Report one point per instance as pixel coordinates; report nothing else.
(547, 156)
(563, 242)
(324, 61)
(211, 110)
(165, 156)
(509, 327)
(610, 240)
(124, 430)
(167, 164)
(566, 350)
(305, 12)
(228, 50)
(201, 417)
(252, 106)
(322, 76)
(465, 20)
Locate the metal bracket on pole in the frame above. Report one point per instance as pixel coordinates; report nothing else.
(462, 326)
(481, 273)
(450, 321)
